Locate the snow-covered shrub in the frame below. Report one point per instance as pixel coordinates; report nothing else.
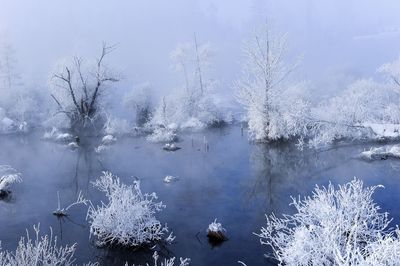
(166, 262)
(275, 109)
(128, 217)
(38, 251)
(163, 134)
(340, 226)
(8, 176)
(351, 114)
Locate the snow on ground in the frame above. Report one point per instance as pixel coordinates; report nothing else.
(384, 131)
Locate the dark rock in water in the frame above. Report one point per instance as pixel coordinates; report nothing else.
(4, 194)
(216, 237)
(171, 147)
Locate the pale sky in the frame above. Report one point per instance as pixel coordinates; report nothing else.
(338, 38)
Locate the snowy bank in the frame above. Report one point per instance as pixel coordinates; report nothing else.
(381, 153)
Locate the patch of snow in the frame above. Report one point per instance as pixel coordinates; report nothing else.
(384, 131)
(101, 148)
(170, 178)
(381, 153)
(193, 124)
(170, 147)
(108, 139)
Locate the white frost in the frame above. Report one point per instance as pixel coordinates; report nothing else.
(127, 218)
(340, 226)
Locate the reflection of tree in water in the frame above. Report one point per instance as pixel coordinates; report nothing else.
(83, 171)
(281, 170)
(87, 166)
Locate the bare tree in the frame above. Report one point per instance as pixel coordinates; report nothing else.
(82, 88)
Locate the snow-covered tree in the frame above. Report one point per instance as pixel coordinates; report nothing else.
(275, 109)
(140, 101)
(193, 104)
(78, 88)
(128, 217)
(340, 226)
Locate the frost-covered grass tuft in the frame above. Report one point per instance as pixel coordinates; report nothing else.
(8, 176)
(128, 217)
(167, 262)
(42, 250)
(340, 226)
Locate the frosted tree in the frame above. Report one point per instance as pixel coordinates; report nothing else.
(275, 109)
(392, 72)
(140, 101)
(78, 88)
(192, 105)
(9, 75)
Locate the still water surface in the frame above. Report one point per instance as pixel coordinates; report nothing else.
(235, 181)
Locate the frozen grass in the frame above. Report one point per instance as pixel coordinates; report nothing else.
(128, 217)
(40, 251)
(340, 226)
(166, 262)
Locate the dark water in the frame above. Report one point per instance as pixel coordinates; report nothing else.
(234, 181)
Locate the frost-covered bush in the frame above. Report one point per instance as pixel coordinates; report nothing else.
(366, 109)
(128, 217)
(163, 134)
(340, 226)
(39, 251)
(350, 114)
(275, 109)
